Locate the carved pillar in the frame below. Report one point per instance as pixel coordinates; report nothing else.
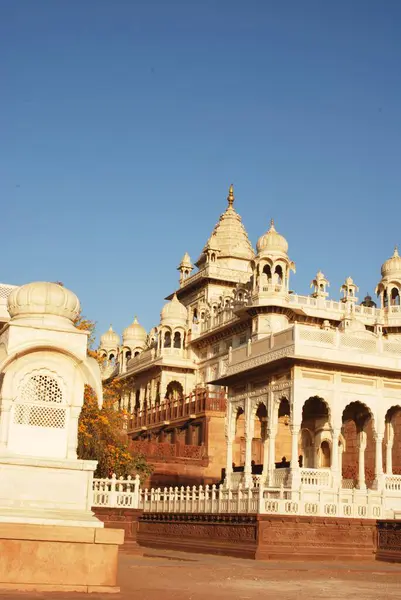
(389, 449)
(272, 455)
(335, 472)
(295, 470)
(265, 458)
(5, 422)
(230, 433)
(294, 446)
(361, 484)
(379, 461)
(249, 427)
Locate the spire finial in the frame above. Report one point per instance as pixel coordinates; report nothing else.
(111, 327)
(395, 251)
(135, 319)
(230, 196)
(272, 228)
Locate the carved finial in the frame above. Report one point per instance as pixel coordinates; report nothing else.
(272, 228)
(135, 319)
(111, 327)
(395, 252)
(230, 196)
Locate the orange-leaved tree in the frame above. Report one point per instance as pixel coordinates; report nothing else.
(101, 434)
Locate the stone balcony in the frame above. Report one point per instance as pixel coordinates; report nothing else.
(362, 349)
(170, 411)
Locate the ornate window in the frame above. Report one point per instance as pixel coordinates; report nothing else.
(37, 403)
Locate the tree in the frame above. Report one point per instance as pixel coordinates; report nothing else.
(101, 434)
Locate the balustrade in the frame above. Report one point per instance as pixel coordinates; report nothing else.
(119, 492)
(174, 409)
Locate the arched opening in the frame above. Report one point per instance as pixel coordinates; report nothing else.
(385, 299)
(259, 436)
(239, 441)
(392, 440)
(395, 297)
(136, 353)
(283, 437)
(111, 357)
(213, 257)
(278, 273)
(177, 339)
(174, 391)
(358, 433)
(195, 315)
(316, 420)
(128, 355)
(325, 455)
(307, 449)
(167, 339)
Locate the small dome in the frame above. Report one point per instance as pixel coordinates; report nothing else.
(186, 261)
(110, 339)
(134, 334)
(43, 298)
(272, 241)
(392, 266)
(174, 313)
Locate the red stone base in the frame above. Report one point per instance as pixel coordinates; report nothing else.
(57, 558)
(262, 537)
(315, 538)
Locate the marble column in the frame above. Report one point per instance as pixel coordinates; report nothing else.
(389, 449)
(361, 466)
(229, 461)
(335, 472)
(294, 447)
(272, 456)
(265, 459)
(379, 461)
(248, 460)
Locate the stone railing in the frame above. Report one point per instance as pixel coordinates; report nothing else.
(116, 492)
(171, 410)
(315, 477)
(126, 493)
(392, 483)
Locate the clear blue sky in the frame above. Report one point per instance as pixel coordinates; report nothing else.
(123, 122)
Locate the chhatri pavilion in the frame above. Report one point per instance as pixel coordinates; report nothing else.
(245, 381)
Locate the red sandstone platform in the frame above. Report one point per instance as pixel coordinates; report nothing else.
(58, 558)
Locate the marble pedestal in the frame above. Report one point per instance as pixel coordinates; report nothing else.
(50, 540)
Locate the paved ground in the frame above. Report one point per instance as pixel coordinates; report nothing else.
(168, 575)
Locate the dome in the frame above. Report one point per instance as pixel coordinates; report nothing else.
(272, 241)
(43, 298)
(229, 237)
(134, 334)
(174, 313)
(110, 339)
(392, 266)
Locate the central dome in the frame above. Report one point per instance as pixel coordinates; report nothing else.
(272, 241)
(43, 298)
